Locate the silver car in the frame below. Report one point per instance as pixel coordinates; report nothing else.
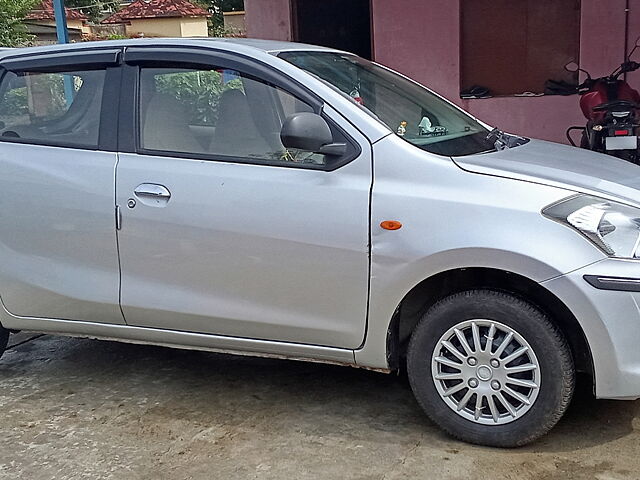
(286, 200)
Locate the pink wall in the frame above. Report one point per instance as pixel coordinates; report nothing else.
(634, 33)
(268, 19)
(421, 38)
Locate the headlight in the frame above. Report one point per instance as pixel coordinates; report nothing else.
(613, 227)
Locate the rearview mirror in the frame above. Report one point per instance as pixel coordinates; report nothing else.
(310, 132)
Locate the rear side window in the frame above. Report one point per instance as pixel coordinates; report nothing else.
(61, 108)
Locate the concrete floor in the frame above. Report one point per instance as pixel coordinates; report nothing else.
(74, 408)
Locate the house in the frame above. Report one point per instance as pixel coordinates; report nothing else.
(41, 23)
(508, 48)
(47, 34)
(162, 18)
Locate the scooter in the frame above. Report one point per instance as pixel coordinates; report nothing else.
(612, 110)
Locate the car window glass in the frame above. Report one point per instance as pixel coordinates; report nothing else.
(57, 108)
(413, 112)
(217, 112)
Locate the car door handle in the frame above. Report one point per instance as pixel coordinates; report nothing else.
(152, 194)
(152, 190)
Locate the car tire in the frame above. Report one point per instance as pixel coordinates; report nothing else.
(4, 339)
(518, 391)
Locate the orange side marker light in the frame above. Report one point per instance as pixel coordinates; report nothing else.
(391, 225)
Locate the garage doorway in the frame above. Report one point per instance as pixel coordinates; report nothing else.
(341, 24)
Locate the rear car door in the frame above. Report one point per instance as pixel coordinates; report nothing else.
(57, 167)
(223, 230)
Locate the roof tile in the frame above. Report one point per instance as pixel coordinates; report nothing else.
(140, 9)
(44, 11)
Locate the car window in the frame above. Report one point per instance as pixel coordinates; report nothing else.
(410, 110)
(217, 112)
(52, 108)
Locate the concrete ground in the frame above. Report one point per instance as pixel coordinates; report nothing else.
(75, 408)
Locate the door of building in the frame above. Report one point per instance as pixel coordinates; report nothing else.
(341, 24)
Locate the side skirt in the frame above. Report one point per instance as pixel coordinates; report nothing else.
(182, 340)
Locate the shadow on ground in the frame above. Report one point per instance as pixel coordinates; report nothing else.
(382, 402)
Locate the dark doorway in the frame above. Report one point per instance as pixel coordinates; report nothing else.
(341, 24)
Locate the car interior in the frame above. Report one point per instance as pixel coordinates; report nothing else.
(57, 107)
(240, 117)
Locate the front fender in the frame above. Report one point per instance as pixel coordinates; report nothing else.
(392, 281)
(453, 219)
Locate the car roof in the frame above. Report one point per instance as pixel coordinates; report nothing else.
(238, 45)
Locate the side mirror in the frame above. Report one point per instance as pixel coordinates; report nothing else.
(572, 67)
(310, 132)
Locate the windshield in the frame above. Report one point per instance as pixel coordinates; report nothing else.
(411, 111)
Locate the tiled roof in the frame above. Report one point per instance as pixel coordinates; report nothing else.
(156, 9)
(44, 11)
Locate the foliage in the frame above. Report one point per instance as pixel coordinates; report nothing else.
(198, 91)
(218, 30)
(14, 103)
(93, 8)
(13, 32)
(216, 8)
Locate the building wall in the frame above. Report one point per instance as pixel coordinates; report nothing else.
(45, 34)
(268, 19)
(194, 27)
(234, 22)
(421, 38)
(156, 27)
(79, 24)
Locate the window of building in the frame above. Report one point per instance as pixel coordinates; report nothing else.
(52, 108)
(518, 47)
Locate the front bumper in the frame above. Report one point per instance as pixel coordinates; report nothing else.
(610, 319)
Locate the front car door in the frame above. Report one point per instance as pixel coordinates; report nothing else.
(223, 230)
(57, 165)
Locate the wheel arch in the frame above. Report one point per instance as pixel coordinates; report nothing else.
(426, 293)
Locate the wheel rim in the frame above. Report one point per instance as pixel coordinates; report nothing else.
(486, 372)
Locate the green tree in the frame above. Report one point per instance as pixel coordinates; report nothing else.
(216, 7)
(92, 8)
(13, 32)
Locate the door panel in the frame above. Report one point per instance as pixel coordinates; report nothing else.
(57, 227)
(247, 250)
(57, 234)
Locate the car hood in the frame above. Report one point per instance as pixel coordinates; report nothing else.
(561, 166)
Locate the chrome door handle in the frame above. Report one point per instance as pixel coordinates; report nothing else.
(152, 190)
(152, 195)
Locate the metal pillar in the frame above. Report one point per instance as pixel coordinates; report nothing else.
(61, 21)
(63, 37)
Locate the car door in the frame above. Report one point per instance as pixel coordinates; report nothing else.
(223, 230)
(57, 164)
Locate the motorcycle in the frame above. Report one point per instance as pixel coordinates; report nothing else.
(612, 109)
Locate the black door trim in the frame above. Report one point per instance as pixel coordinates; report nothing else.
(55, 61)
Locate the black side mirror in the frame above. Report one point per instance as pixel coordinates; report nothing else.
(310, 132)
